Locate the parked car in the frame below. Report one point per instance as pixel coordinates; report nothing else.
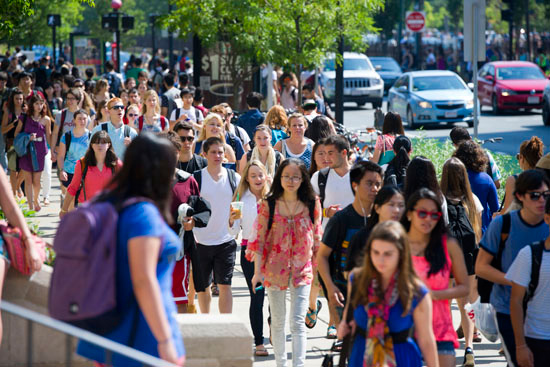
(362, 83)
(546, 105)
(388, 69)
(430, 97)
(511, 85)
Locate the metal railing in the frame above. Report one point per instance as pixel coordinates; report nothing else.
(71, 332)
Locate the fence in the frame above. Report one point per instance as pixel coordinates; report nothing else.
(72, 332)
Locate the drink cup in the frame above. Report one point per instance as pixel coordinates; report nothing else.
(238, 207)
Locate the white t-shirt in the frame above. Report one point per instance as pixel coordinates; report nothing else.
(537, 319)
(337, 190)
(219, 195)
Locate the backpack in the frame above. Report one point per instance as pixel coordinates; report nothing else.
(163, 122)
(461, 229)
(105, 127)
(537, 250)
(84, 170)
(322, 179)
(61, 124)
(232, 140)
(271, 206)
(485, 286)
(68, 138)
(395, 178)
(230, 174)
(197, 113)
(83, 285)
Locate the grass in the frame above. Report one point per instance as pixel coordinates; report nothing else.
(439, 152)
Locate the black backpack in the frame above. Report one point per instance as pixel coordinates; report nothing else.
(484, 286)
(461, 229)
(394, 177)
(537, 250)
(322, 179)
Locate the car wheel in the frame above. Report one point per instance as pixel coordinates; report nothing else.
(361, 103)
(494, 104)
(470, 124)
(545, 113)
(410, 119)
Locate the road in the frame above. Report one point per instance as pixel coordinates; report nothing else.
(513, 127)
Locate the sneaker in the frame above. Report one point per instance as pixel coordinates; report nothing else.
(460, 332)
(469, 360)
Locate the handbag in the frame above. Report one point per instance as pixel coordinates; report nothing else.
(16, 248)
(12, 159)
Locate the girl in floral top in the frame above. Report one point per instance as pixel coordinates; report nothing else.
(284, 249)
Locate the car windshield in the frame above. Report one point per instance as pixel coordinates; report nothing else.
(519, 72)
(349, 64)
(421, 83)
(386, 65)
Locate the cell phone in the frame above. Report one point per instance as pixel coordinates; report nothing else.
(259, 287)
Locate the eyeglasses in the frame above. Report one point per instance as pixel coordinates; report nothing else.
(79, 86)
(133, 115)
(423, 214)
(117, 107)
(187, 138)
(292, 178)
(536, 195)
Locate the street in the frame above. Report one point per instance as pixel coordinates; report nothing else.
(513, 127)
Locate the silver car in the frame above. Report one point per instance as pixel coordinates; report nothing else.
(429, 97)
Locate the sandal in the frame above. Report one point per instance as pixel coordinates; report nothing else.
(310, 321)
(331, 332)
(191, 309)
(477, 337)
(337, 346)
(261, 352)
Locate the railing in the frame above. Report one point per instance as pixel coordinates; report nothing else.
(73, 332)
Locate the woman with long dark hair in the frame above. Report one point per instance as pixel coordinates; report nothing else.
(320, 127)
(392, 127)
(15, 107)
(146, 253)
(318, 154)
(93, 172)
(396, 170)
(288, 231)
(421, 174)
(435, 257)
(387, 299)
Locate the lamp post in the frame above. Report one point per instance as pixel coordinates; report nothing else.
(54, 21)
(116, 4)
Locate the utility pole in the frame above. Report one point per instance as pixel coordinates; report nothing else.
(54, 21)
(400, 31)
(419, 53)
(528, 30)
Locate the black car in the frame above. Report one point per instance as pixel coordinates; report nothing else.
(388, 69)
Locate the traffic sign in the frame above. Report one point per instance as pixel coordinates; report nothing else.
(415, 21)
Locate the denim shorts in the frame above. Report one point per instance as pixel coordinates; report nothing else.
(446, 348)
(4, 251)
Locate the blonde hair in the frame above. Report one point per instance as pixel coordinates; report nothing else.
(148, 94)
(276, 118)
(100, 84)
(212, 116)
(270, 161)
(245, 185)
(295, 116)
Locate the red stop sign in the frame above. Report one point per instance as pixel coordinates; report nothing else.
(415, 21)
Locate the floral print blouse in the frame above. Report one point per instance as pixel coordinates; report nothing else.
(288, 251)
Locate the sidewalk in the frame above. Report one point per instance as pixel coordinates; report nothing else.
(486, 352)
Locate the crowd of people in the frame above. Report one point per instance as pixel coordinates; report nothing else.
(387, 243)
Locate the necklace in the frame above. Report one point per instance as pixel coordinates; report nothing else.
(291, 214)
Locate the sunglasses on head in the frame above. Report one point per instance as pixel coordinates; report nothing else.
(536, 195)
(422, 214)
(187, 138)
(117, 107)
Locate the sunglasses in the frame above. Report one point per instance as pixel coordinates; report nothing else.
(133, 115)
(536, 195)
(423, 214)
(187, 138)
(117, 107)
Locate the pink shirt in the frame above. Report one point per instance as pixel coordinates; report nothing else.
(442, 320)
(288, 251)
(94, 182)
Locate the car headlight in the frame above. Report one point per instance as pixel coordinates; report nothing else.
(507, 92)
(425, 104)
(470, 103)
(376, 81)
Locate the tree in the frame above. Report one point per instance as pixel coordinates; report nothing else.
(24, 21)
(301, 33)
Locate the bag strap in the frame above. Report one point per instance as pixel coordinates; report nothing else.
(84, 170)
(322, 179)
(536, 260)
(61, 124)
(232, 179)
(198, 177)
(197, 112)
(140, 123)
(162, 122)
(105, 127)
(178, 113)
(68, 138)
(504, 233)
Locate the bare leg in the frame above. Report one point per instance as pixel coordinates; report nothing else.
(191, 294)
(29, 189)
(446, 360)
(204, 300)
(20, 179)
(225, 299)
(3, 271)
(313, 296)
(182, 307)
(36, 176)
(13, 182)
(466, 323)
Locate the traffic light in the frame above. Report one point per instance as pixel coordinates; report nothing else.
(109, 21)
(127, 22)
(54, 20)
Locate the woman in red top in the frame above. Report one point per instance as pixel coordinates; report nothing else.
(100, 163)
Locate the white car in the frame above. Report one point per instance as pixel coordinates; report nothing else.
(362, 83)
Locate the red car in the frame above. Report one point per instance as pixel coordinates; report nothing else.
(511, 85)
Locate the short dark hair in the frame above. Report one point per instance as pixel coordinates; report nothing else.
(133, 91)
(184, 78)
(109, 66)
(338, 141)
(169, 79)
(459, 134)
(89, 72)
(359, 169)
(69, 80)
(254, 99)
(185, 91)
(24, 74)
(530, 179)
(173, 138)
(198, 94)
(309, 87)
(137, 61)
(143, 73)
(183, 126)
(214, 140)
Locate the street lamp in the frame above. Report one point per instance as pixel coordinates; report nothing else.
(54, 21)
(110, 22)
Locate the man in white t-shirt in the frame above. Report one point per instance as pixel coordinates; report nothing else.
(187, 113)
(216, 247)
(337, 191)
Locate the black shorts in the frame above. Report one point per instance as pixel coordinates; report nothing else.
(219, 259)
(69, 179)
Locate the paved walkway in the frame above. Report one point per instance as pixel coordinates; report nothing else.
(486, 352)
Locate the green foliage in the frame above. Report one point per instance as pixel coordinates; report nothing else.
(13, 11)
(438, 152)
(31, 27)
